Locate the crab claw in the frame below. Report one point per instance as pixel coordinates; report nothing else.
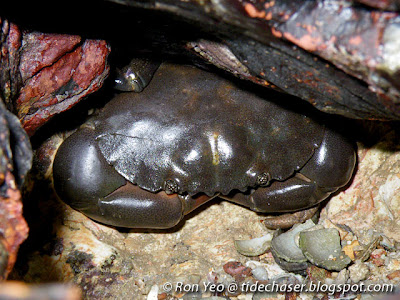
(329, 169)
(132, 207)
(84, 180)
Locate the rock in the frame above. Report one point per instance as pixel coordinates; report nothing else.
(43, 74)
(260, 273)
(358, 272)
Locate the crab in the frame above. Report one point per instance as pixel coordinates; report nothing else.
(148, 159)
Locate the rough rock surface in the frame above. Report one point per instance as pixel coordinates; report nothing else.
(72, 74)
(43, 74)
(15, 161)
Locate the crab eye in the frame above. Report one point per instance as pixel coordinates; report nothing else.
(171, 187)
(136, 75)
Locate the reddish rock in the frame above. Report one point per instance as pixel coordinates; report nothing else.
(15, 161)
(394, 275)
(379, 262)
(237, 270)
(58, 87)
(10, 42)
(42, 50)
(14, 228)
(40, 75)
(43, 74)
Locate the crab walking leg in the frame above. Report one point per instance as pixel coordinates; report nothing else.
(329, 168)
(84, 180)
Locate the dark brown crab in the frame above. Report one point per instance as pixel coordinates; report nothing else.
(150, 158)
